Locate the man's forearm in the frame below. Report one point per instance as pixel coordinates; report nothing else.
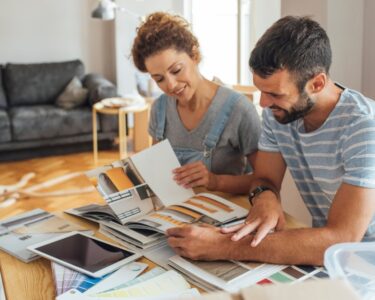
(234, 184)
(294, 246)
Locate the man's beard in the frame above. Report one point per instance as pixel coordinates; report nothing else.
(299, 110)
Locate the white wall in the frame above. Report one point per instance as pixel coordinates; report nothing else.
(52, 30)
(368, 77)
(263, 14)
(316, 9)
(343, 21)
(126, 25)
(345, 30)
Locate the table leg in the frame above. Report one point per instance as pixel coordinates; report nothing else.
(122, 134)
(95, 136)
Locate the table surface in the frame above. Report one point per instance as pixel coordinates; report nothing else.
(34, 280)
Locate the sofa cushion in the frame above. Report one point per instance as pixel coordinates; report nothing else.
(5, 133)
(74, 95)
(99, 88)
(3, 100)
(49, 121)
(30, 84)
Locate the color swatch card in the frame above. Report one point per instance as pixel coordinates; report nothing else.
(67, 279)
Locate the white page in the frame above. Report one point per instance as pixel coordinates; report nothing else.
(155, 164)
(166, 283)
(122, 275)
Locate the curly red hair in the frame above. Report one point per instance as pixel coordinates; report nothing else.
(161, 31)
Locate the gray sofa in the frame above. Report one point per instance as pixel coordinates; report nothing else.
(32, 125)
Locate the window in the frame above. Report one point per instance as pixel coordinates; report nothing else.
(223, 30)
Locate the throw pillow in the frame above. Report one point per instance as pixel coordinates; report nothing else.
(74, 95)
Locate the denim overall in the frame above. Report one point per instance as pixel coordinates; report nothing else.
(187, 155)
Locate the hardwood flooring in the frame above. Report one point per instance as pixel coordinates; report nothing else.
(48, 168)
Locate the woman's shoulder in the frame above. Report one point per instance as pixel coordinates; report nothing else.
(161, 102)
(243, 103)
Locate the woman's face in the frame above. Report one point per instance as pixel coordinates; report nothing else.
(176, 73)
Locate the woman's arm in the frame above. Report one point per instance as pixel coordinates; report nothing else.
(196, 174)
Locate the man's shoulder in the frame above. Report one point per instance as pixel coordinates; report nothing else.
(357, 104)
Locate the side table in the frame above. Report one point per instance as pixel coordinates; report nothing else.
(121, 112)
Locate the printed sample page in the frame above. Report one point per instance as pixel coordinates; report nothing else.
(21, 231)
(214, 207)
(123, 189)
(94, 212)
(156, 164)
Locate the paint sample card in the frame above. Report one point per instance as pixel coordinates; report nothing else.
(292, 274)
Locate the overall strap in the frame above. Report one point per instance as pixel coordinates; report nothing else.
(220, 122)
(161, 108)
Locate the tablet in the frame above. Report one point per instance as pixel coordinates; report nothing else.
(84, 253)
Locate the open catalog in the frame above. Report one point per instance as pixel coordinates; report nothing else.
(144, 200)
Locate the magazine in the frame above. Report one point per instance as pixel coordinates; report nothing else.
(26, 229)
(143, 200)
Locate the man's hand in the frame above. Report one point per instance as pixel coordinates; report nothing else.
(202, 242)
(266, 215)
(195, 174)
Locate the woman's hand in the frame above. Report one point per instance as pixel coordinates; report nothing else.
(195, 174)
(265, 216)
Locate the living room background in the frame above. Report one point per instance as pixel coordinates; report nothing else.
(43, 31)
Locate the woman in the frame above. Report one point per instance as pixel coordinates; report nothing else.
(213, 130)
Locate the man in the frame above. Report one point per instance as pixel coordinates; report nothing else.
(324, 133)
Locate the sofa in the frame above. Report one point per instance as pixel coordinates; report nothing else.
(31, 122)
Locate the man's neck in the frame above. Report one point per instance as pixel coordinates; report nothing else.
(325, 102)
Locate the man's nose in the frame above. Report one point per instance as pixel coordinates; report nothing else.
(265, 100)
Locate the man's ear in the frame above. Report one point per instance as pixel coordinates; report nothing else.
(317, 83)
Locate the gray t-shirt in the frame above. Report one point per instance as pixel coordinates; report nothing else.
(239, 138)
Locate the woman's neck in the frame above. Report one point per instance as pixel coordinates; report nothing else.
(203, 95)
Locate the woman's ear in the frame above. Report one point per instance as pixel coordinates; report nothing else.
(196, 54)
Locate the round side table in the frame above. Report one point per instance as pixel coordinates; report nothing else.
(121, 112)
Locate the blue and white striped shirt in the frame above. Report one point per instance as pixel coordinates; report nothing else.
(342, 150)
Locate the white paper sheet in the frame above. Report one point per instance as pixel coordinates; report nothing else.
(155, 164)
(166, 283)
(122, 275)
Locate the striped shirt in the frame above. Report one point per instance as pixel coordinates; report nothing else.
(342, 150)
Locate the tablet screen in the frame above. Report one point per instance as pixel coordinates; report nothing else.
(85, 252)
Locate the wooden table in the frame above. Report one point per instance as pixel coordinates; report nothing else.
(141, 139)
(33, 281)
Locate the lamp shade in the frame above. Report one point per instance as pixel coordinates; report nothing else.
(105, 10)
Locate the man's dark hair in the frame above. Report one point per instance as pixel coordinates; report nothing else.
(297, 44)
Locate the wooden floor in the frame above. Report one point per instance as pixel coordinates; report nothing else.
(49, 168)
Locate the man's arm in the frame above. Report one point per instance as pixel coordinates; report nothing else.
(348, 219)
